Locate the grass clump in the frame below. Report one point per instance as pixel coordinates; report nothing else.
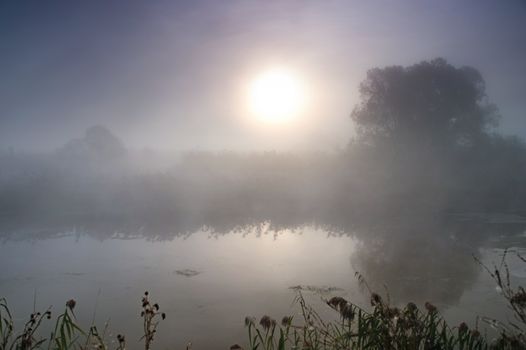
(67, 333)
(388, 327)
(384, 327)
(64, 335)
(513, 333)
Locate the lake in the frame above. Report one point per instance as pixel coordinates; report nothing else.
(208, 281)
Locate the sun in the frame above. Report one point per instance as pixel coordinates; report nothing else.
(276, 96)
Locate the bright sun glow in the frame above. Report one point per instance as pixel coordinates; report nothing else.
(276, 96)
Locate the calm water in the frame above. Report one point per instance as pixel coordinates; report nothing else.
(207, 283)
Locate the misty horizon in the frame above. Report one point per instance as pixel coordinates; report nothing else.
(192, 165)
(140, 73)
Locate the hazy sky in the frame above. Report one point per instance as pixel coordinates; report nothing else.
(168, 74)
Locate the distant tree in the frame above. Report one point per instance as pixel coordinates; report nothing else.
(103, 143)
(431, 103)
(98, 144)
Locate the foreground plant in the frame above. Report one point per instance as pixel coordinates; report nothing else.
(384, 327)
(150, 314)
(67, 334)
(26, 340)
(512, 334)
(387, 327)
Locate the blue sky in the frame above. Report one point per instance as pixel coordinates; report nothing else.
(170, 75)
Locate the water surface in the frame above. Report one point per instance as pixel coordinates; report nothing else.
(208, 282)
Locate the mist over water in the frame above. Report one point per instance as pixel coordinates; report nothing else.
(425, 186)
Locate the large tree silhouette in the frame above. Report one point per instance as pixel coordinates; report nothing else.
(430, 103)
(432, 128)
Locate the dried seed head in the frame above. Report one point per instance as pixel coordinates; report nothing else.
(146, 293)
(71, 304)
(376, 299)
(430, 307)
(249, 321)
(463, 327)
(156, 306)
(519, 298)
(337, 303)
(411, 307)
(266, 322)
(163, 315)
(286, 321)
(347, 312)
(236, 347)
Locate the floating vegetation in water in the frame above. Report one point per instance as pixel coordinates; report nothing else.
(187, 272)
(74, 273)
(316, 289)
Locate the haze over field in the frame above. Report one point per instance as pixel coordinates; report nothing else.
(238, 150)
